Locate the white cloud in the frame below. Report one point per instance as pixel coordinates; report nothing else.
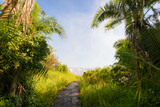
(84, 46)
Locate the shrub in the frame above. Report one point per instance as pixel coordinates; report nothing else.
(61, 68)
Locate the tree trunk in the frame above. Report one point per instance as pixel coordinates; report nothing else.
(8, 7)
(21, 12)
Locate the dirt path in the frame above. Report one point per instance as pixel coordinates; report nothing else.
(68, 97)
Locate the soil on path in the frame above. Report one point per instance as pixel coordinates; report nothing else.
(68, 97)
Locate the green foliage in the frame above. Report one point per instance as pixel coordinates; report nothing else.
(50, 60)
(151, 42)
(105, 95)
(61, 68)
(135, 15)
(111, 11)
(22, 55)
(117, 86)
(47, 87)
(99, 74)
(121, 75)
(6, 103)
(19, 54)
(42, 90)
(98, 89)
(137, 55)
(124, 54)
(43, 24)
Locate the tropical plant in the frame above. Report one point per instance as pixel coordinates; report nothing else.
(43, 24)
(124, 54)
(19, 10)
(135, 15)
(30, 18)
(141, 48)
(23, 46)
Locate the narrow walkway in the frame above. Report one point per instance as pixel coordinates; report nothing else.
(68, 97)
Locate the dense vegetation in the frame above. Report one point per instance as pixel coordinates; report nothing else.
(134, 79)
(30, 74)
(26, 59)
(100, 88)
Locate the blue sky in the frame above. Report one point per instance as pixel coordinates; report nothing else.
(84, 47)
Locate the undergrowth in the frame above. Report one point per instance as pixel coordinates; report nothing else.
(104, 95)
(47, 87)
(99, 89)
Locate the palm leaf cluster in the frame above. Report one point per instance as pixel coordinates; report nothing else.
(28, 13)
(124, 54)
(137, 18)
(151, 43)
(140, 51)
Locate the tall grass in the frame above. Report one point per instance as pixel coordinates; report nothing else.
(105, 95)
(97, 89)
(47, 87)
(105, 88)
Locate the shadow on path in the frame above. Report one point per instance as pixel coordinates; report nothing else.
(68, 97)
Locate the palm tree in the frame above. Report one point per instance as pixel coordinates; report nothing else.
(43, 24)
(28, 13)
(19, 10)
(134, 14)
(26, 33)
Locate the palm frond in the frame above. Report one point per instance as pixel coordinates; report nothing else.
(113, 23)
(53, 26)
(151, 43)
(110, 10)
(124, 54)
(43, 24)
(96, 18)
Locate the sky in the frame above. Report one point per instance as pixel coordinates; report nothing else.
(84, 47)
